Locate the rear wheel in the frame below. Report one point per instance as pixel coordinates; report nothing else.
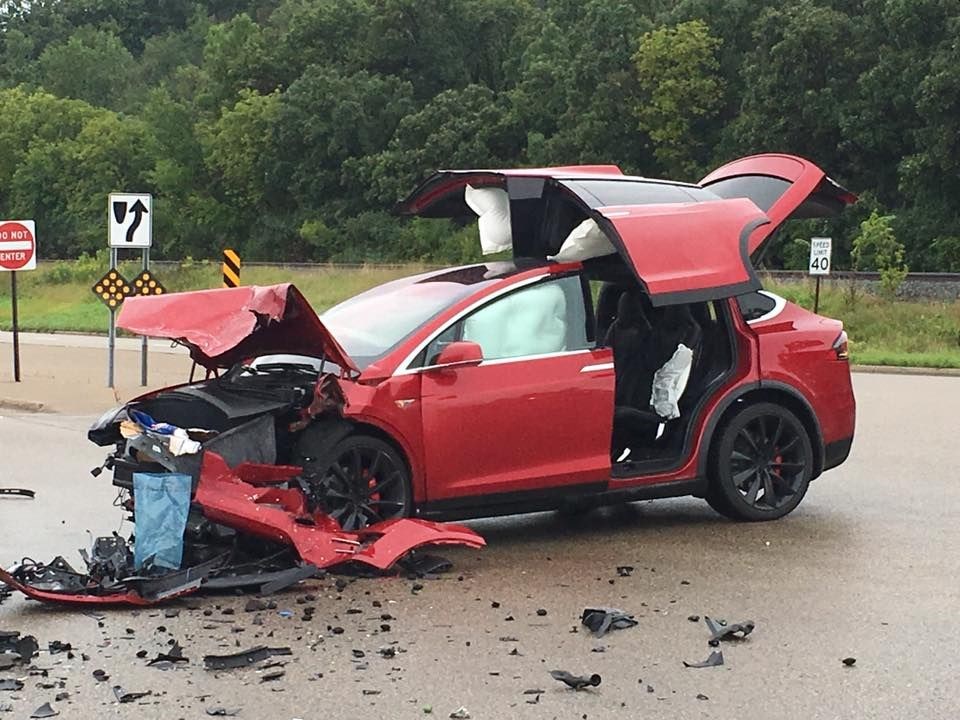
(359, 481)
(761, 464)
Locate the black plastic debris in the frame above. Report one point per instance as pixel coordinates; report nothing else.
(421, 564)
(10, 685)
(714, 660)
(18, 492)
(57, 647)
(26, 647)
(849, 661)
(168, 659)
(577, 682)
(124, 696)
(222, 712)
(734, 631)
(44, 711)
(388, 652)
(624, 570)
(701, 696)
(243, 659)
(271, 676)
(601, 620)
(100, 675)
(693, 618)
(541, 612)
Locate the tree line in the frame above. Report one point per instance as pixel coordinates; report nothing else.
(288, 129)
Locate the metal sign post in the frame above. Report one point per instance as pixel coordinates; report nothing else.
(143, 339)
(130, 225)
(820, 250)
(15, 317)
(18, 251)
(112, 331)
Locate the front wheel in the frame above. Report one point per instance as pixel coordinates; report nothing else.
(761, 464)
(360, 481)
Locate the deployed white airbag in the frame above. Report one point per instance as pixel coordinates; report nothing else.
(585, 241)
(529, 322)
(492, 206)
(670, 381)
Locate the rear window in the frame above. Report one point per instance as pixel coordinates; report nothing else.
(631, 192)
(763, 190)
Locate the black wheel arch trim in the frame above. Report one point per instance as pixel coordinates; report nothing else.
(763, 385)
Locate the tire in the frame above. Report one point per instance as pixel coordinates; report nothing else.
(358, 480)
(760, 464)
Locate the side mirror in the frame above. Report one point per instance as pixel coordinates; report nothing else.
(463, 353)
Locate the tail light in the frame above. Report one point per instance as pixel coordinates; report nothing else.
(840, 346)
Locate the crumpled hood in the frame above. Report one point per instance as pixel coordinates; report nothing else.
(226, 325)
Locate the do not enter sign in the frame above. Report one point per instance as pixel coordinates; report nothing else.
(18, 245)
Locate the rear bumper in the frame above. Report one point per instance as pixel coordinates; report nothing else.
(836, 452)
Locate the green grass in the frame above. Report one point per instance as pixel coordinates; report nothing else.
(57, 297)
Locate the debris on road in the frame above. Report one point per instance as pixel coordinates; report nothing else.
(222, 712)
(168, 659)
(243, 659)
(715, 659)
(124, 696)
(722, 631)
(601, 620)
(244, 501)
(17, 492)
(577, 682)
(44, 711)
(624, 570)
(849, 661)
(10, 685)
(461, 713)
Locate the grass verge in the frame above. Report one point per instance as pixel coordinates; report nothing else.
(57, 297)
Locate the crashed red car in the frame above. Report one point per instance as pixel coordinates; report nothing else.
(626, 351)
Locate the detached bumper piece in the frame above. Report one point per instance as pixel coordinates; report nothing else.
(251, 503)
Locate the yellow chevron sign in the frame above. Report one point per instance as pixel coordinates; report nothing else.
(231, 268)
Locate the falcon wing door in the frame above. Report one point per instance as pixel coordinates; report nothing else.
(686, 252)
(783, 186)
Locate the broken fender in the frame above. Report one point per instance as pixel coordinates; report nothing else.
(281, 515)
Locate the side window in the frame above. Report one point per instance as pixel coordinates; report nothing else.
(754, 305)
(544, 318)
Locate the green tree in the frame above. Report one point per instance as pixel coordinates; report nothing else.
(93, 65)
(877, 248)
(682, 92)
(327, 118)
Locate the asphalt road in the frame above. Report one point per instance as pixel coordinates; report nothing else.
(866, 567)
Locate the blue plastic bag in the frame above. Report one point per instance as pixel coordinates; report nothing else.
(160, 518)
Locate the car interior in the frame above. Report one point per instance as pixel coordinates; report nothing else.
(643, 339)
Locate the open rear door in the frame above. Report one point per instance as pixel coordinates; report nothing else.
(783, 186)
(689, 252)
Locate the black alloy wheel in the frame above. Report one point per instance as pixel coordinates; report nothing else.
(362, 481)
(762, 464)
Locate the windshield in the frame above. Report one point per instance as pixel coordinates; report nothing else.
(372, 323)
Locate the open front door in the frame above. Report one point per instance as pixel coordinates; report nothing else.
(783, 186)
(691, 252)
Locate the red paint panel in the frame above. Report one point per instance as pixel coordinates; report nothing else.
(225, 325)
(281, 515)
(693, 248)
(525, 424)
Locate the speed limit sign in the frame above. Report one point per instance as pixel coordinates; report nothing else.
(820, 248)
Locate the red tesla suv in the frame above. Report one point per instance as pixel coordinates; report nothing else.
(625, 352)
